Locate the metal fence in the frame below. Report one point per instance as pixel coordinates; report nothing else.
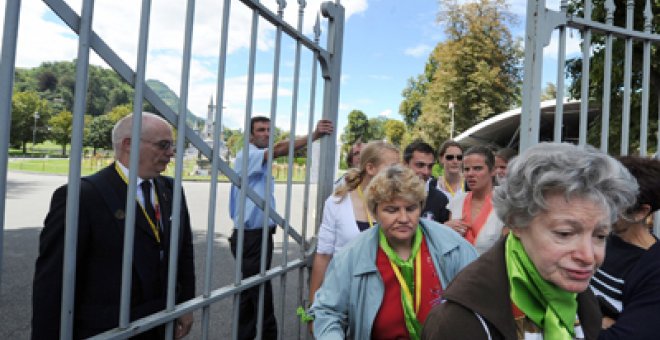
(620, 89)
(324, 61)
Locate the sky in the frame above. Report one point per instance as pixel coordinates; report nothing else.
(386, 42)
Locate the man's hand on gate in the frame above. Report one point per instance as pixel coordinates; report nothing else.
(183, 325)
(323, 127)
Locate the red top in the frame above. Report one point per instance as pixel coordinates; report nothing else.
(389, 322)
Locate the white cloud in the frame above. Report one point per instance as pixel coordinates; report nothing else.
(386, 113)
(421, 50)
(43, 37)
(572, 45)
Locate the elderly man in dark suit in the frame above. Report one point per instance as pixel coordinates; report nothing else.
(100, 242)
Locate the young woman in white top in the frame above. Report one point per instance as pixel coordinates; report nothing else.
(471, 213)
(450, 157)
(345, 213)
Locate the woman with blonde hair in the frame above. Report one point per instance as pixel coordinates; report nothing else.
(345, 213)
(385, 282)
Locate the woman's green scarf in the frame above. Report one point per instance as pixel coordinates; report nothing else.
(407, 271)
(548, 306)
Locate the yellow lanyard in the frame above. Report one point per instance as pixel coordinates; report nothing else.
(418, 281)
(366, 209)
(157, 209)
(448, 187)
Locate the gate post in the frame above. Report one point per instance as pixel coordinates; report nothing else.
(331, 70)
(531, 92)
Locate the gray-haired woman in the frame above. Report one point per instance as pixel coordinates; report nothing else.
(560, 201)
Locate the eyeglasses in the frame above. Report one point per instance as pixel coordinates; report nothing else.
(451, 157)
(162, 145)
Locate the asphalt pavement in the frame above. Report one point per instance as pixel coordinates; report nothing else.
(27, 199)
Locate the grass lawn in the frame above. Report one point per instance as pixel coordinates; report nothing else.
(91, 165)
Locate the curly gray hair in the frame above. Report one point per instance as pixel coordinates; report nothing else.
(562, 168)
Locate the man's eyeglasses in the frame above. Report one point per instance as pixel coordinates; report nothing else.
(162, 145)
(451, 157)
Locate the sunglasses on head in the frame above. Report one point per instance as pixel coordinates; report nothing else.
(451, 157)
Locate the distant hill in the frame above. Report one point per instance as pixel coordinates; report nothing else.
(55, 82)
(172, 100)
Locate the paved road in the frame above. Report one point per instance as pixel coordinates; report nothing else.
(27, 199)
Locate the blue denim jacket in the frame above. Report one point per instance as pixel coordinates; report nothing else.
(347, 303)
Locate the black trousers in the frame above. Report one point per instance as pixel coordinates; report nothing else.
(249, 306)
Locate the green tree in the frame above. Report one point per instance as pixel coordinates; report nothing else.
(29, 119)
(478, 69)
(357, 128)
(119, 112)
(61, 126)
(394, 131)
(376, 128)
(549, 92)
(415, 91)
(99, 133)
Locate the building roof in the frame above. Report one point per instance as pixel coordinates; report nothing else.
(503, 130)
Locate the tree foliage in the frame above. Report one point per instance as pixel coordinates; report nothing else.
(395, 130)
(99, 133)
(24, 126)
(596, 75)
(61, 126)
(415, 91)
(478, 69)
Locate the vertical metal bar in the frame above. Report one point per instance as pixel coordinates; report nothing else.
(561, 65)
(7, 65)
(646, 86)
(178, 171)
(220, 95)
(269, 179)
(584, 87)
(73, 192)
(308, 167)
(281, 4)
(335, 14)
(243, 194)
(129, 226)
(607, 81)
(627, 75)
(531, 92)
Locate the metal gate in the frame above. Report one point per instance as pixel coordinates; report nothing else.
(577, 16)
(293, 262)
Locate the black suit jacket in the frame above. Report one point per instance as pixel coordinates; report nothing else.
(436, 204)
(99, 260)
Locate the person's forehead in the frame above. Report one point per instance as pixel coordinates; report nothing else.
(419, 155)
(453, 150)
(261, 124)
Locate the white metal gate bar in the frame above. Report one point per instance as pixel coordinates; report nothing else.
(541, 22)
(7, 61)
(73, 191)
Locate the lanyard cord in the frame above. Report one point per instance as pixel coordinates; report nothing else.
(157, 208)
(449, 188)
(364, 203)
(418, 281)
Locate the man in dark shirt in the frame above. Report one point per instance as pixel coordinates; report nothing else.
(419, 156)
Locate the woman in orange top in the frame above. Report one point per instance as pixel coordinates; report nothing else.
(471, 213)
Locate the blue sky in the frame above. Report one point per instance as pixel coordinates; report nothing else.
(385, 43)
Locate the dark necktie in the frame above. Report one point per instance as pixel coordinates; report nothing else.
(148, 206)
